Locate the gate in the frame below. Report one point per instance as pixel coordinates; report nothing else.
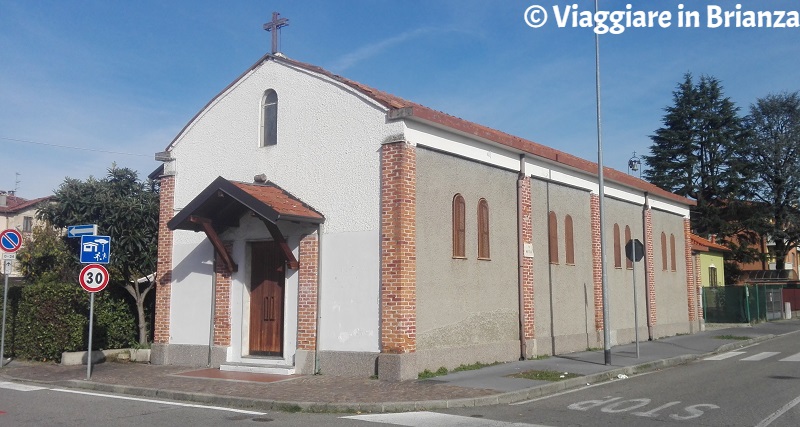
(774, 299)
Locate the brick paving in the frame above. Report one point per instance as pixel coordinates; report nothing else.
(320, 388)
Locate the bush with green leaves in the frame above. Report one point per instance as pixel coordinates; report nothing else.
(50, 320)
(54, 317)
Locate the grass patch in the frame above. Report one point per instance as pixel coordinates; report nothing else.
(428, 374)
(594, 349)
(474, 366)
(540, 357)
(732, 337)
(545, 375)
(289, 408)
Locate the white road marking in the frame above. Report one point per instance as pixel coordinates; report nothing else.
(20, 387)
(792, 358)
(162, 402)
(414, 419)
(724, 356)
(775, 415)
(760, 356)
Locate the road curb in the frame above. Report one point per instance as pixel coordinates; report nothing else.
(377, 407)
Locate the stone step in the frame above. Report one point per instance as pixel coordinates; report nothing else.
(257, 368)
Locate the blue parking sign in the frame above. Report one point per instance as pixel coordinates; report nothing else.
(95, 249)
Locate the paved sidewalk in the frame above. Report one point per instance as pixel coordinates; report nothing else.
(487, 386)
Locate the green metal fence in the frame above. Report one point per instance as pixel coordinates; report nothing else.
(742, 304)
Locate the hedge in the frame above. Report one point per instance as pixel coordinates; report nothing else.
(50, 318)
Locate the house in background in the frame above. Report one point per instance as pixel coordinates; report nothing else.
(709, 261)
(19, 214)
(310, 223)
(765, 269)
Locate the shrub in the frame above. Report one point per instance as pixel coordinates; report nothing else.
(114, 325)
(54, 317)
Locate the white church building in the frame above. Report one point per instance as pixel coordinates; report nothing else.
(311, 224)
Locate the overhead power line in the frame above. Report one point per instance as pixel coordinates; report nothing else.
(97, 150)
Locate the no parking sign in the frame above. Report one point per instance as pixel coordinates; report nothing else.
(10, 240)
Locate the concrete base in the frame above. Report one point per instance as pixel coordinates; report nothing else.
(140, 355)
(397, 367)
(187, 355)
(304, 362)
(348, 363)
(450, 358)
(80, 357)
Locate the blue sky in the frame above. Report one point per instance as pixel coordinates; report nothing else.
(117, 80)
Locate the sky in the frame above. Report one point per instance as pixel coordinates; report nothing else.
(88, 84)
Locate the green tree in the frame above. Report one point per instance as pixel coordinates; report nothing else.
(45, 257)
(773, 154)
(125, 209)
(695, 153)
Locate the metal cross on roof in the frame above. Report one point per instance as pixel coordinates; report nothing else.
(273, 26)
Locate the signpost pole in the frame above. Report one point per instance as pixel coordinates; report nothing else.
(635, 302)
(89, 353)
(6, 269)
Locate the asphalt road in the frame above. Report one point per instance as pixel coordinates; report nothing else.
(754, 386)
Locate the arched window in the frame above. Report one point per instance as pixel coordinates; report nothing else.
(269, 118)
(617, 248)
(672, 264)
(663, 251)
(552, 231)
(483, 229)
(459, 227)
(569, 243)
(628, 262)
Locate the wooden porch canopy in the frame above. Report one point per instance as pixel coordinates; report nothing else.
(224, 202)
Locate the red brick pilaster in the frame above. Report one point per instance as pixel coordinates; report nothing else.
(307, 293)
(597, 266)
(649, 265)
(222, 302)
(398, 248)
(527, 263)
(691, 287)
(161, 330)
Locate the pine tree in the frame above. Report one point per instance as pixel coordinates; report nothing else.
(696, 153)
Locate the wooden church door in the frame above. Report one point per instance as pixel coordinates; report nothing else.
(266, 299)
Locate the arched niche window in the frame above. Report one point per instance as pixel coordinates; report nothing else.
(628, 263)
(663, 251)
(269, 118)
(617, 248)
(569, 243)
(552, 233)
(459, 227)
(483, 229)
(672, 264)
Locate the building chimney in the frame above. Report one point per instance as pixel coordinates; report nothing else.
(3, 199)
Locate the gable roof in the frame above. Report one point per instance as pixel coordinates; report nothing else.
(399, 108)
(704, 245)
(16, 204)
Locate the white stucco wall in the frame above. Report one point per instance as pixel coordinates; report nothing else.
(327, 155)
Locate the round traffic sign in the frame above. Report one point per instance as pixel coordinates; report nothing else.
(10, 240)
(93, 278)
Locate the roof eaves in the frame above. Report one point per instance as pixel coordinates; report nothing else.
(427, 115)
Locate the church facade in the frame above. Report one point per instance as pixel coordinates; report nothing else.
(313, 224)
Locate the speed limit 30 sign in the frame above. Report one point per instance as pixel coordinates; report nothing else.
(94, 278)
